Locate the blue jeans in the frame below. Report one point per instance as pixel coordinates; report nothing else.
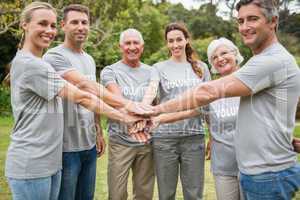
(280, 185)
(78, 175)
(46, 188)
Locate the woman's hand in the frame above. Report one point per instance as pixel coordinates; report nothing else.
(208, 149)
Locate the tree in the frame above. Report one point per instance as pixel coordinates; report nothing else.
(206, 23)
(110, 17)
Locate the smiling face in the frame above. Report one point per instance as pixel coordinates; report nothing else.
(76, 27)
(132, 48)
(224, 60)
(40, 31)
(256, 31)
(176, 43)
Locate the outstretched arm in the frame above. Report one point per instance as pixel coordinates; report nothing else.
(228, 86)
(149, 96)
(151, 92)
(93, 103)
(80, 81)
(173, 117)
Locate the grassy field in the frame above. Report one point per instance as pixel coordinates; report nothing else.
(101, 186)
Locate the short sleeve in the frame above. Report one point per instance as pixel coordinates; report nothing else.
(58, 62)
(206, 73)
(107, 76)
(262, 72)
(206, 77)
(43, 80)
(154, 74)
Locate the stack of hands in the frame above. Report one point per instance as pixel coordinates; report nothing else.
(141, 120)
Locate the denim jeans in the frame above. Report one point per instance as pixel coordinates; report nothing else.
(182, 157)
(280, 185)
(78, 175)
(46, 188)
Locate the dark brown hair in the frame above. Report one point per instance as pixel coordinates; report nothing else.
(191, 54)
(75, 7)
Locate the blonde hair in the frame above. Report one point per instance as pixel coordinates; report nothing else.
(27, 14)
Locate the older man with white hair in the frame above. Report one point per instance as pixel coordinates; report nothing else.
(128, 78)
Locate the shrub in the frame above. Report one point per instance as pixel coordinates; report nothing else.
(5, 107)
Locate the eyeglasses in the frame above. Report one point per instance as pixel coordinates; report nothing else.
(221, 55)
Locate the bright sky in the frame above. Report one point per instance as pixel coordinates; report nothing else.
(189, 3)
(196, 3)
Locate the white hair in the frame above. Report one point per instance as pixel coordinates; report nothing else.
(131, 31)
(222, 42)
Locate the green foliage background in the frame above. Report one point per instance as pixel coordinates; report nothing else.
(110, 17)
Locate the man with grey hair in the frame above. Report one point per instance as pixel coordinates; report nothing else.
(82, 138)
(128, 78)
(131, 31)
(269, 86)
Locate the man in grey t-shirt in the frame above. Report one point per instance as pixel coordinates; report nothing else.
(81, 127)
(269, 86)
(128, 78)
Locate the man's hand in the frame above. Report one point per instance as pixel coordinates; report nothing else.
(139, 108)
(131, 119)
(141, 137)
(137, 127)
(100, 145)
(139, 131)
(152, 124)
(208, 150)
(100, 142)
(296, 144)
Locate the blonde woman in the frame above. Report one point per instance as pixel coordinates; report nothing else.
(34, 156)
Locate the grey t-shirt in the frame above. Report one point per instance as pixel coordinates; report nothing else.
(174, 79)
(35, 149)
(79, 123)
(267, 118)
(223, 115)
(133, 82)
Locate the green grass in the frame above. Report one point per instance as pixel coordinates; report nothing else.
(297, 129)
(6, 124)
(5, 128)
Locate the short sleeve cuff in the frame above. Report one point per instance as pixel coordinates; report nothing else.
(244, 80)
(54, 88)
(63, 72)
(106, 83)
